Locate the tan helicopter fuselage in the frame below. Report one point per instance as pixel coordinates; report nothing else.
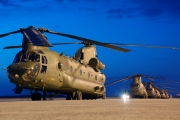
(152, 93)
(56, 73)
(137, 89)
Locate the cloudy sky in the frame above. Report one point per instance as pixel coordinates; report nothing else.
(150, 22)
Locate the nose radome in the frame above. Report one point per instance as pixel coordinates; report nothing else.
(25, 72)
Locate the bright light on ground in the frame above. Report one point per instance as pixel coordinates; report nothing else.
(125, 97)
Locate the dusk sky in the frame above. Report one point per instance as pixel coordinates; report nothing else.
(149, 22)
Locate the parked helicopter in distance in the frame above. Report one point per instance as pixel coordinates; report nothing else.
(139, 89)
(36, 68)
(152, 91)
(163, 93)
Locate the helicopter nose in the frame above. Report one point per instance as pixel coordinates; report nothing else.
(25, 72)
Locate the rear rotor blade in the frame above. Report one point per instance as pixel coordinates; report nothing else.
(67, 43)
(143, 45)
(86, 40)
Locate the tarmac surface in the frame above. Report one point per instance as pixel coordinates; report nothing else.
(109, 109)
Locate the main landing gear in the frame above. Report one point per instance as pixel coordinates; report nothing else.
(77, 95)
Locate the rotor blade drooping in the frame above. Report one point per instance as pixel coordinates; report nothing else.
(11, 47)
(63, 43)
(6, 34)
(143, 45)
(35, 36)
(86, 40)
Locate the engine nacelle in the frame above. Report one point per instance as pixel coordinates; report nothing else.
(95, 63)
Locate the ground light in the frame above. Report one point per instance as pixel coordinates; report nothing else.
(125, 97)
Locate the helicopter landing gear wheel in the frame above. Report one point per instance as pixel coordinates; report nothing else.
(77, 95)
(145, 96)
(74, 96)
(35, 96)
(68, 97)
(104, 96)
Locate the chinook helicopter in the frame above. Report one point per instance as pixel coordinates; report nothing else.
(137, 88)
(162, 92)
(36, 68)
(152, 91)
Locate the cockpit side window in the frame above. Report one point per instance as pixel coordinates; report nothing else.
(24, 57)
(135, 85)
(34, 57)
(43, 69)
(44, 60)
(27, 57)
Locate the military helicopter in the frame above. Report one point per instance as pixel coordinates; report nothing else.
(152, 91)
(137, 87)
(36, 68)
(165, 89)
(162, 92)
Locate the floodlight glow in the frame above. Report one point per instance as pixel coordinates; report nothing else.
(125, 96)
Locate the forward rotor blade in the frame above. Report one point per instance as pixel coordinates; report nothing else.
(67, 43)
(11, 47)
(64, 43)
(147, 77)
(86, 40)
(6, 34)
(142, 45)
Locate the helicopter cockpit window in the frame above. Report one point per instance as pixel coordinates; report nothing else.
(44, 60)
(34, 57)
(43, 69)
(24, 58)
(135, 85)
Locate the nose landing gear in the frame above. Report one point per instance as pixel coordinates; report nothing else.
(36, 96)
